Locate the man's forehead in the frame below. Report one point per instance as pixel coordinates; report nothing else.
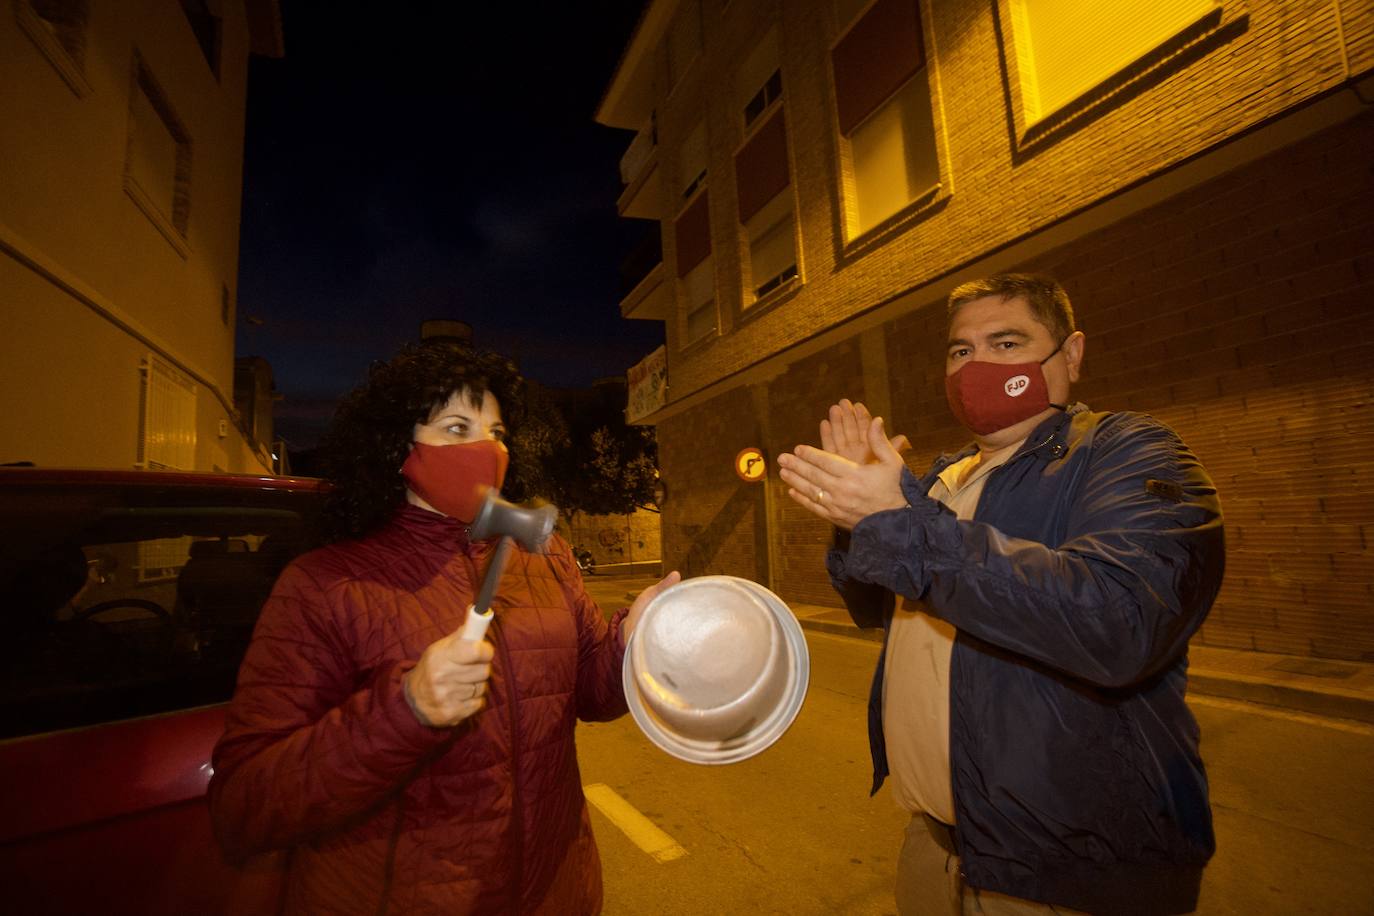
(994, 315)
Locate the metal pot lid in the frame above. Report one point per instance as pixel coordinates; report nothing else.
(714, 596)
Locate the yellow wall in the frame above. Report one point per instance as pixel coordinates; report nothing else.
(618, 539)
(88, 284)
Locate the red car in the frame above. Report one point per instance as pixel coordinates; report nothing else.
(131, 598)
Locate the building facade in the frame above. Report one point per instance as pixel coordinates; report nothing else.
(1197, 174)
(121, 160)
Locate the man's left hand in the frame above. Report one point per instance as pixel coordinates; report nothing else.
(842, 491)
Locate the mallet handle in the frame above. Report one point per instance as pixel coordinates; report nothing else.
(475, 627)
(479, 612)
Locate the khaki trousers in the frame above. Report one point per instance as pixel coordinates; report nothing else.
(930, 880)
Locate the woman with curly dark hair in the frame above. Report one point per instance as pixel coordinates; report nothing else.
(401, 768)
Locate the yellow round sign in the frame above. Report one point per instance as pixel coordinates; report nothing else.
(750, 466)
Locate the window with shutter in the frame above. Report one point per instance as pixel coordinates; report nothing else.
(884, 111)
(692, 231)
(758, 83)
(692, 159)
(763, 179)
(699, 293)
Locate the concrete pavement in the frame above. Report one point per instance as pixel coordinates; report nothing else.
(1334, 688)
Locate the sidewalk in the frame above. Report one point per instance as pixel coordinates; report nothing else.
(1340, 689)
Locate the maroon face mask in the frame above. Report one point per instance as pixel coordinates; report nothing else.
(454, 478)
(986, 397)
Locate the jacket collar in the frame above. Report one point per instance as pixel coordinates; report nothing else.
(429, 531)
(1049, 440)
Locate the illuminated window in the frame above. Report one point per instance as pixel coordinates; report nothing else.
(882, 97)
(157, 172)
(167, 418)
(772, 245)
(1065, 48)
(763, 186)
(894, 155)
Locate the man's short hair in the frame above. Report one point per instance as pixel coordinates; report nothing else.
(1047, 300)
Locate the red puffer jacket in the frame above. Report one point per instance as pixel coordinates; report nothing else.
(322, 755)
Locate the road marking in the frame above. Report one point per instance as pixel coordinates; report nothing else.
(1353, 726)
(643, 832)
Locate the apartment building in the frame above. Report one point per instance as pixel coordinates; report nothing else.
(121, 160)
(1196, 173)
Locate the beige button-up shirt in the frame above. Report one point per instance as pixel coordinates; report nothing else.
(916, 679)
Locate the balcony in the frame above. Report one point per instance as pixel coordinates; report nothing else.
(639, 173)
(643, 292)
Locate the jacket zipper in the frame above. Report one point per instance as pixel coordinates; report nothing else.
(954, 656)
(517, 815)
(517, 811)
(388, 872)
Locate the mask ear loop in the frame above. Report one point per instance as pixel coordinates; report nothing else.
(1053, 354)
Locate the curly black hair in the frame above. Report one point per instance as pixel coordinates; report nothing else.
(374, 425)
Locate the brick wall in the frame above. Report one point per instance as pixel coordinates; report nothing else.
(798, 400)
(1269, 56)
(709, 516)
(1237, 312)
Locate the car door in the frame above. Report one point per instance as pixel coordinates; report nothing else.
(129, 619)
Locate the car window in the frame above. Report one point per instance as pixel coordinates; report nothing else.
(130, 611)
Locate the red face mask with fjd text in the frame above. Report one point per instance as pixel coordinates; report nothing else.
(454, 478)
(986, 397)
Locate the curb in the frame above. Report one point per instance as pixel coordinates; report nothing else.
(1206, 678)
(1333, 704)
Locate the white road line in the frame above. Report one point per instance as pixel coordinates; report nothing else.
(643, 832)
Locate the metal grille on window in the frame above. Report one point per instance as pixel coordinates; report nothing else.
(167, 417)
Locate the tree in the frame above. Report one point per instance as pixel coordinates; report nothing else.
(575, 450)
(536, 447)
(621, 470)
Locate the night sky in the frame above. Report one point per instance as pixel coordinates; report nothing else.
(434, 160)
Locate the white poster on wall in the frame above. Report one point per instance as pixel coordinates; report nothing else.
(648, 384)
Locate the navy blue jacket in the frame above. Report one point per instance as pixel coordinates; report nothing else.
(1095, 553)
